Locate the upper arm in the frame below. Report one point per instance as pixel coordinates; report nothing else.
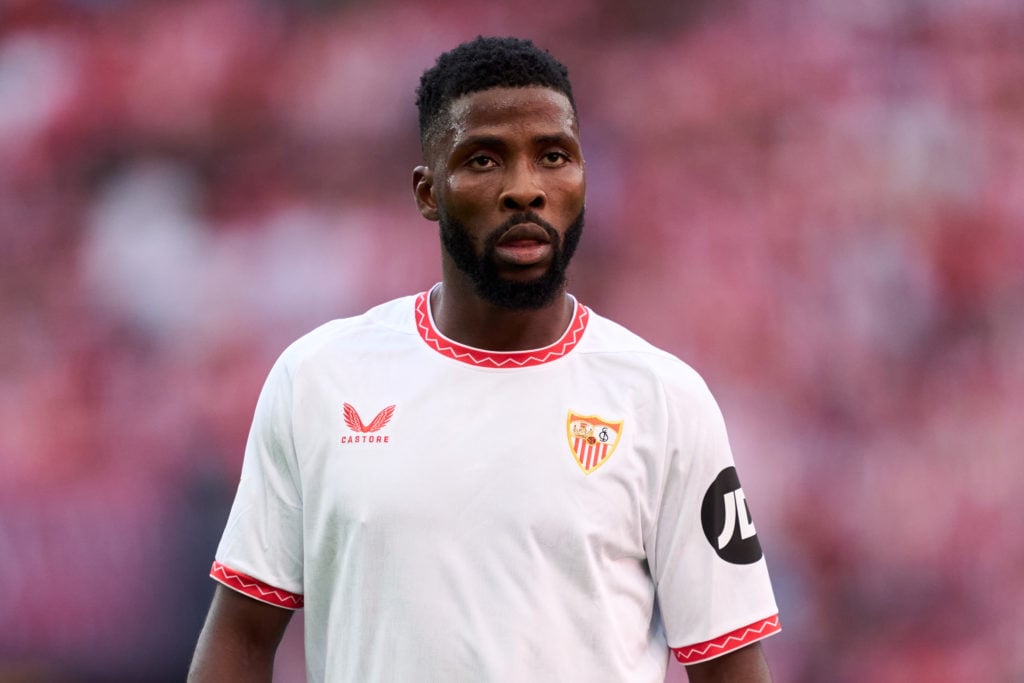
(704, 536)
(745, 665)
(239, 638)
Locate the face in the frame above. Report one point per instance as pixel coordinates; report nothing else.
(506, 183)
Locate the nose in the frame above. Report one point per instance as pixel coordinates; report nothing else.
(522, 189)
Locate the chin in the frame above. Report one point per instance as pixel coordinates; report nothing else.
(522, 295)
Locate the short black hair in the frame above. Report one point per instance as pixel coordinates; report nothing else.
(481, 64)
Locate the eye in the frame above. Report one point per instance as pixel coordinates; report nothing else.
(555, 158)
(481, 161)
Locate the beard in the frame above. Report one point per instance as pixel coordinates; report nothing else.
(482, 268)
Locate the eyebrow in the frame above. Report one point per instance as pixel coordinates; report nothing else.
(555, 139)
(480, 141)
(494, 141)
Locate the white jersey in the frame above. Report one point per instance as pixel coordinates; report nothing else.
(448, 514)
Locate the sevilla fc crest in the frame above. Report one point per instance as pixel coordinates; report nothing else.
(592, 439)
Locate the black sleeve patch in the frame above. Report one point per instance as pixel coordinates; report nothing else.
(725, 516)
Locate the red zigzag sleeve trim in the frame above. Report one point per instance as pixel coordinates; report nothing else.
(255, 588)
(734, 640)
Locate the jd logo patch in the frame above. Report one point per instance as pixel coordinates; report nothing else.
(726, 520)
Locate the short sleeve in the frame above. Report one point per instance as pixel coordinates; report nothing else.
(712, 581)
(260, 553)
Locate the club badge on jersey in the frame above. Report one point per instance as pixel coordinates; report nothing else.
(592, 439)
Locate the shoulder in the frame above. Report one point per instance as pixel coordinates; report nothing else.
(343, 337)
(618, 346)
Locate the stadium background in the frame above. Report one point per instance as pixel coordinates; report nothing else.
(819, 204)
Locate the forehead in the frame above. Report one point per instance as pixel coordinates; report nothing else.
(538, 110)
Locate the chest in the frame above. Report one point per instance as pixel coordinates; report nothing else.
(563, 458)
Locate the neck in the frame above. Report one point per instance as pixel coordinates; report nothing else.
(462, 316)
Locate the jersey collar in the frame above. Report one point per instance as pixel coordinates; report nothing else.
(498, 359)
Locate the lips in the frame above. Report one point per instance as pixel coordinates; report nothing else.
(524, 245)
(524, 232)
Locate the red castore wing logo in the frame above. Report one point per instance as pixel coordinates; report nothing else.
(355, 423)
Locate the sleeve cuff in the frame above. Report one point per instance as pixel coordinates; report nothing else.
(255, 588)
(734, 640)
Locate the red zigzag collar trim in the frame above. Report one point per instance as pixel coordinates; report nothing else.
(498, 359)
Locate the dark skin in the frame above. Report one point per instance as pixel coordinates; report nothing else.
(506, 150)
(239, 639)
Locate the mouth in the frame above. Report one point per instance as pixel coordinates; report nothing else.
(525, 232)
(525, 244)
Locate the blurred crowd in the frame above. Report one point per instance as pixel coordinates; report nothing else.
(819, 205)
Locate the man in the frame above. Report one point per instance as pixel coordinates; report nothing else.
(488, 481)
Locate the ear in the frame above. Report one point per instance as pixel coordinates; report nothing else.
(423, 190)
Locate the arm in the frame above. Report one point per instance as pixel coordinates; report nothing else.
(239, 639)
(746, 665)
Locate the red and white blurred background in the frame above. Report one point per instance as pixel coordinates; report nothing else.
(818, 204)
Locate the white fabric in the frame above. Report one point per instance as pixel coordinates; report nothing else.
(462, 540)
